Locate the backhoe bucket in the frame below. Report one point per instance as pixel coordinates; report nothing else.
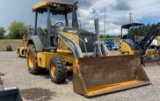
(99, 75)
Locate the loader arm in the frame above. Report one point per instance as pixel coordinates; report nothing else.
(72, 45)
(144, 44)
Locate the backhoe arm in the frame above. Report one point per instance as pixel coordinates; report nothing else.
(144, 44)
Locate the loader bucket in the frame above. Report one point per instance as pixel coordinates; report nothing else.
(99, 75)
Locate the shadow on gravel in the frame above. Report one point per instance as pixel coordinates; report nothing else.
(37, 94)
(69, 76)
(46, 75)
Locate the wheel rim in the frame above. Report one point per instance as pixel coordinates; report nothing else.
(31, 60)
(53, 71)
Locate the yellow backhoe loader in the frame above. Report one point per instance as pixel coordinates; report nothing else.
(66, 48)
(131, 44)
(22, 51)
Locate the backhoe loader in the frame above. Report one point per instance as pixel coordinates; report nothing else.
(131, 44)
(22, 51)
(66, 48)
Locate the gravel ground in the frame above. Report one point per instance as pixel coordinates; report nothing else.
(13, 71)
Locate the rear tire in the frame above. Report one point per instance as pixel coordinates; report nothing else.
(32, 60)
(58, 70)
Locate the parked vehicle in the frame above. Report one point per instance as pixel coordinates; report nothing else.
(111, 44)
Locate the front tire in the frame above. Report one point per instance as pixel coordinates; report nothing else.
(58, 70)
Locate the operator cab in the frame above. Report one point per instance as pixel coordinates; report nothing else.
(51, 9)
(129, 34)
(49, 38)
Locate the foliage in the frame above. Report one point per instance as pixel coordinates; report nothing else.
(140, 31)
(102, 36)
(2, 31)
(108, 36)
(45, 29)
(17, 29)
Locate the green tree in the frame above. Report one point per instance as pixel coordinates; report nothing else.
(17, 29)
(102, 36)
(2, 31)
(147, 28)
(45, 29)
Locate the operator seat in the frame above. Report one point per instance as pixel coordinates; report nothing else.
(132, 37)
(130, 43)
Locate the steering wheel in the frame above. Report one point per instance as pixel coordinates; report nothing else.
(59, 24)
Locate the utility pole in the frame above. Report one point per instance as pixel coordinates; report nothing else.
(105, 12)
(131, 17)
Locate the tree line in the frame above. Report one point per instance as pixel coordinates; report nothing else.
(140, 31)
(17, 29)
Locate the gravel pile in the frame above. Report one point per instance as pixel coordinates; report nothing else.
(14, 72)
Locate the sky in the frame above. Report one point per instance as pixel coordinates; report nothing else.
(117, 13)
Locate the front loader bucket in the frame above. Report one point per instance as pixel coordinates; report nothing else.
(99, 75)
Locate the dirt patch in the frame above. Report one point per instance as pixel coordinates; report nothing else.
(37, 94)
(2, 74)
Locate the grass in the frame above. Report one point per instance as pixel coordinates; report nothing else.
(13, 43)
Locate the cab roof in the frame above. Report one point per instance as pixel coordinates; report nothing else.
(56, 7)
(132, 24)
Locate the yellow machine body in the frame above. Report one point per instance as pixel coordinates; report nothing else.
(63, 51)
(22, 51)
(151, 53)
(124, 48)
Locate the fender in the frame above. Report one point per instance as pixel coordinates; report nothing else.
(36, 41)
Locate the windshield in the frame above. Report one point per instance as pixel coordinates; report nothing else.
(109, 40)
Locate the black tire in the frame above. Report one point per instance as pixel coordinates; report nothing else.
(58, 70)
(18, 52)
(32, 60)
